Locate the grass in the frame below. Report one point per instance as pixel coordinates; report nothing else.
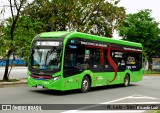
(10, 80)
(152, 72)
(157, 111)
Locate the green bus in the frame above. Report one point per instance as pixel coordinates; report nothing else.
(73, 60)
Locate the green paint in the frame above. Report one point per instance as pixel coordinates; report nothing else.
(97, 79)
(56, 34)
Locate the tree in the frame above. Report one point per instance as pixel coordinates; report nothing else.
(25, 31)
(17, 5)
(142, 28)
(27, 20)
(89, 16)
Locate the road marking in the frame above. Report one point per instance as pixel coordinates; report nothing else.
(141, 97)
(108, 111)
(137, 103)
(103, 111)
(145, 96)
(82, 110)
(15, 70)
(74, 111)
(116, 100)
(146, 77)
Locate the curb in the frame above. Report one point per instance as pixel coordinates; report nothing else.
(23, 81)
(151, 74)
(1, 68)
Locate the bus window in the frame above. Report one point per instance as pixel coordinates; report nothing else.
(127, 60)
(70, 60)
(96, 58)
(74, 60)
(107, 66)
(93, 59)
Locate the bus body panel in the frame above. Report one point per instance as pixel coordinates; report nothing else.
(74, 81)
(46, 83)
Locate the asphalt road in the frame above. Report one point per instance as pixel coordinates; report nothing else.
(146, 91)
(16, 73)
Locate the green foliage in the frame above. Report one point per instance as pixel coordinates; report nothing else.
(142, 28)
(25, 31)
(89, 16)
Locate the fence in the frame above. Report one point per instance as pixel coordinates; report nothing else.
(17, 62)
(151, 71)
(153, 67)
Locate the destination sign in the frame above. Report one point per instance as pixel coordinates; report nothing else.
(47, 43)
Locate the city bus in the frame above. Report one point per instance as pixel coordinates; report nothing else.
(64, 60)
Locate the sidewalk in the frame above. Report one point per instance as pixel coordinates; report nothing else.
(151, 74)
(14, 67)
(21, 81)
(24, 80)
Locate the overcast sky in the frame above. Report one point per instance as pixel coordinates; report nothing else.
(132, 6)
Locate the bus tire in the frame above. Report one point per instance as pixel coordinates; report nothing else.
(126, 80)
(86, 84)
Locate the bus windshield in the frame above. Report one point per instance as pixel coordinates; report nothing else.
(45, 59)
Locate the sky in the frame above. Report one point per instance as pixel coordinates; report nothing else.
(131, 6)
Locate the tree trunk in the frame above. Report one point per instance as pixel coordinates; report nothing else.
(150, 64)
(6, 77)
(27, 62)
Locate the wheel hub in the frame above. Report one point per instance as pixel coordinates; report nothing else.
(126, 81)
(85, 84)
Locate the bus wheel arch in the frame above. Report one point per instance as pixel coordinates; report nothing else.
(86, 83)
(126, 81)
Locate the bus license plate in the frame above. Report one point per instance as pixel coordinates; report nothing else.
(39, 86)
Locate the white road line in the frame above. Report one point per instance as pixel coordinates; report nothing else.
(146, 77)
(76, 111)
(115, 111)
(136, 103)
(15, 70)
(108, 111)
(116, 100)
(104, 111)
(141, 96)
(71, 111)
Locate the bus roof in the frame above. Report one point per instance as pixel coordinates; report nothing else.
(68, 35)
(55, 34)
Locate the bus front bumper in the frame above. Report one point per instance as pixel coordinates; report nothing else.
(49, 84)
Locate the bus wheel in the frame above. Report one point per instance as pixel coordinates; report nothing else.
(86, 84)
(126, 80)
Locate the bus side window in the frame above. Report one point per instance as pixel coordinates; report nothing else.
(107, 65)
(70, 57)
(80, 58)
(93, 58)
(96, 58)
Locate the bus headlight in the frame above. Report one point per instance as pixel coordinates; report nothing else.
(56, 78)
